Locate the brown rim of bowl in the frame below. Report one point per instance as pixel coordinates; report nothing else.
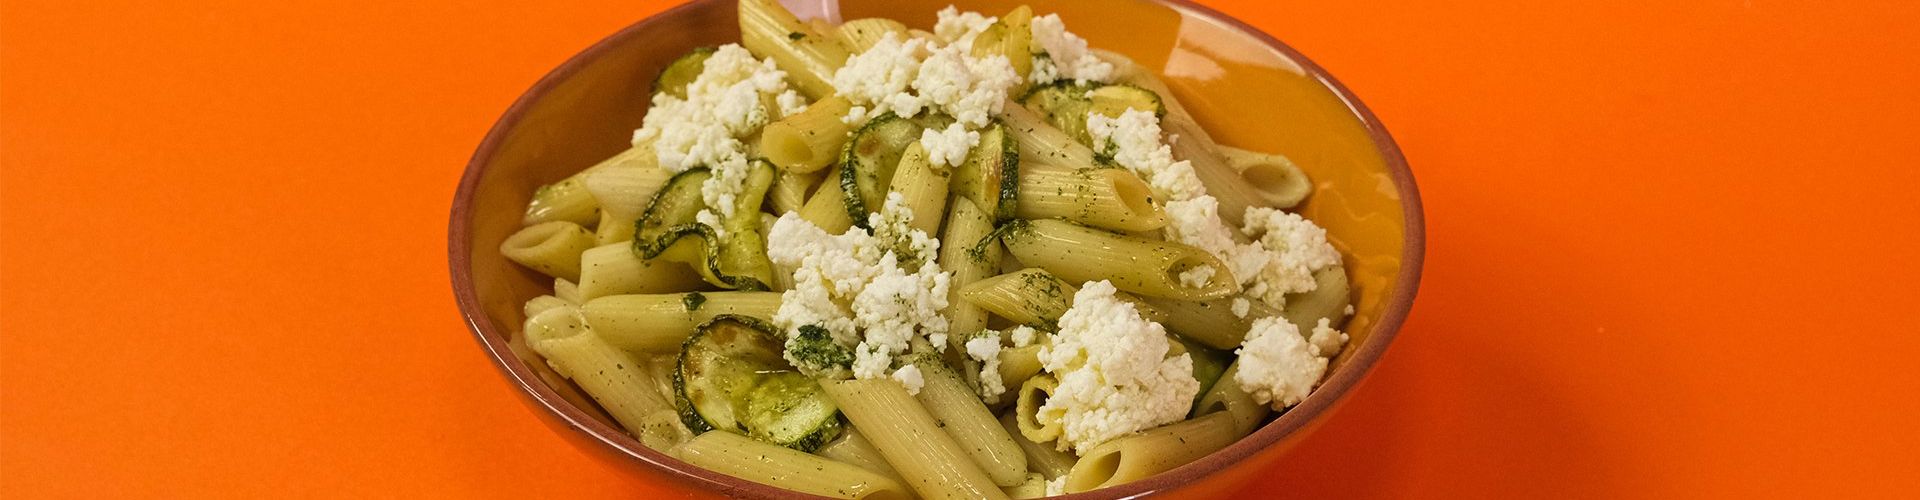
(1399, 301)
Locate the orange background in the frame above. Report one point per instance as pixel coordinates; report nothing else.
(1670, 249)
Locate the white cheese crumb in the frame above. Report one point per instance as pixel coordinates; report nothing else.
(1326, 339)
(908, 76)
(1277, 366)
(960, 28)
(910, 377)
(725, 104)
(1114, 373)
(712, 220)
(948, 147)
(1067, 55)
(1023, 336)
(1299, 248)
(791, 103)
(986, 350)
(1057, 486)
(881, 76)
(853, 286)
(1240, 307)
(1349, 309)
(856, 116)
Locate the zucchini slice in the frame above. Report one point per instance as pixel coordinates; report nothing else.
(668, 230)
(731, 377)
(868, 160)
(991, 175)
(682, 72)
(1065, 104)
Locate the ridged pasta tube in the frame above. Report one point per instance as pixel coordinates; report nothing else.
(1151, 268)
(1107, 198)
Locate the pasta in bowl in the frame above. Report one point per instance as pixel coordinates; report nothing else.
(937, 251)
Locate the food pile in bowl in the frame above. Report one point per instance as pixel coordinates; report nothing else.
(987, 260)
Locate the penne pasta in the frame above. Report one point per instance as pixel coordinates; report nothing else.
(1050, 462)
(1151, 268)
(827, 207)
(809, 140)
(1226, 396)
(858, 35)
(517, 343)
(790, 191)
(742, 457)
(1107, 198)
(928, 459)
(552, 248)
(966, 259)
(1034, 486)
(660, 322)
(564, 201)
(1026, 409)
(924, 187)
(614, 269)
(1275, 176)
(1017, 364)
(612, 230)
(542, 304)
(567, 291)
(1212, 322)
(1029, 296)
(1040, 143)
(1234, 192)
(957, 409)
(1329, 299)
(624, 184)
(615, 378)
(853, 449)
(809, 58)
(1134, 457)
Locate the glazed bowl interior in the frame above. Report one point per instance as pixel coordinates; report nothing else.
(1249, 90)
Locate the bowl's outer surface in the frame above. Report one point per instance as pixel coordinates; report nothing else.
(1248, 89)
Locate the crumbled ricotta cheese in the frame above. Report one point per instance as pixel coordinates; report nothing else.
(1328, 340)
(960, 28)
(1057, 486)
(911, 75)
(854, 286)
(986, 350)
(1349, 309)
(1277, 366)
(949, 147)
(725, 104)
(1022, 335)
(1133, 141)
(1114, 373)
(910, 377)
(1067, 55)
(1240, 307)
(1298, 248)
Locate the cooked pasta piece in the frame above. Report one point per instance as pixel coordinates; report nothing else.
(1017, 364)
(854, 449)
(924, 187)
(790, 191)
(542, 303)
(615, 378)
(1080, 254)
(517, 343)
(614, 269)
(827, 207)
(1041, 143)
(1136, 456)
(1277, 178)
(931, 462)
(809, 140)
(612, 230)
(563, 201)
(1329, 299)
(1034, 486)
(1043, 458)
(1227, 396)
(1107, 198)
(553, 248)
(1034, 393)
(809, 58)
(959, 411)
(1213, 322)
(1029, 296)
(625, 183)
(660, 322)
(858, 35)
(567, 291)
(742, 457)
(968, 257)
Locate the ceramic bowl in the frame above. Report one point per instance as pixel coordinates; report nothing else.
(1249, 89)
